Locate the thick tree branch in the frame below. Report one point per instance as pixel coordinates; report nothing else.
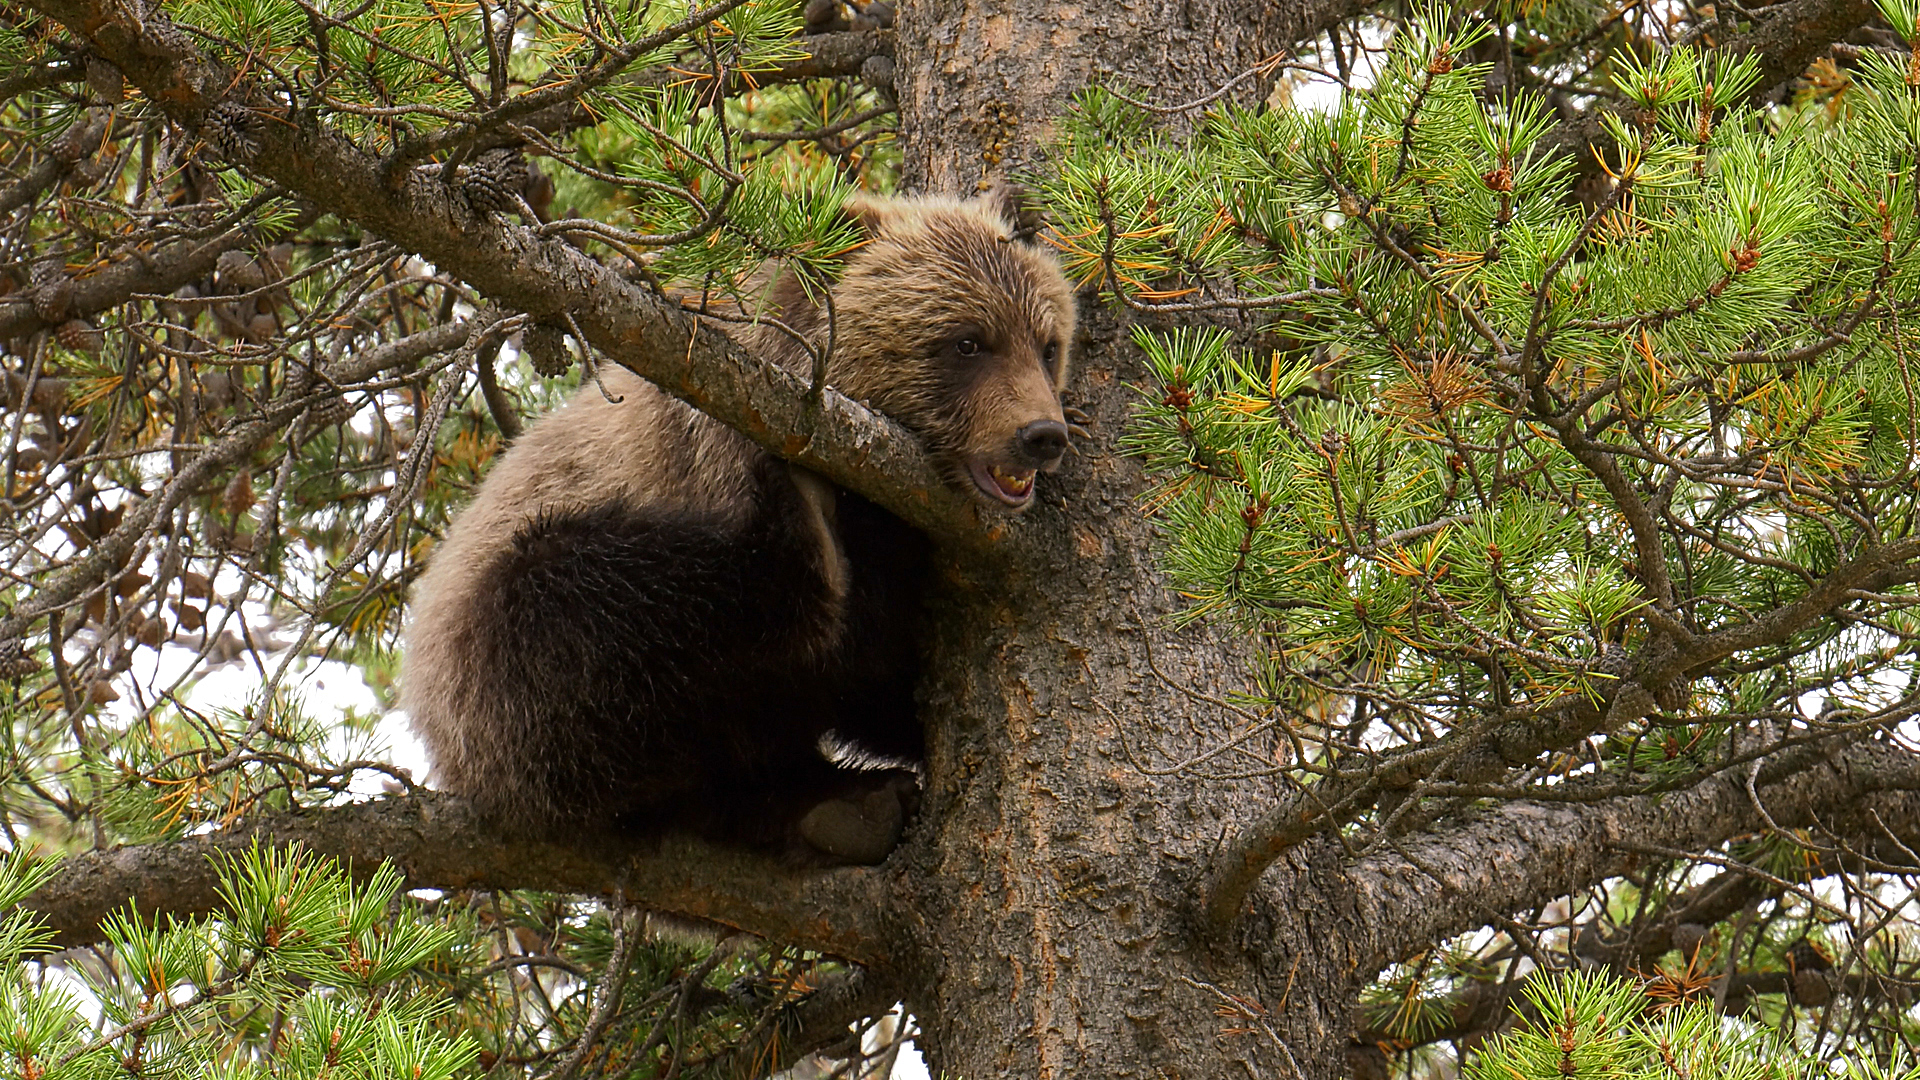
(1478, 755)
(30, 79)
(437, 841)
(1795, 34)
(1870, 570)
(80, 140)
(547, 278)
(1704, 905)
(830, 56)
(816, 1023)
(1521, 854)
(162, 271)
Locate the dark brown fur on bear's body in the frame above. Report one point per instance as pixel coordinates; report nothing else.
(693, 691)
(645, 623)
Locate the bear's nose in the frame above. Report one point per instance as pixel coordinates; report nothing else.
(1043, 441)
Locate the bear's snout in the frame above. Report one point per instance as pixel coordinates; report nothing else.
(1042, 443)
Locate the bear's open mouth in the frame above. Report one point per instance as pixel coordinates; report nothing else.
(1011, 486)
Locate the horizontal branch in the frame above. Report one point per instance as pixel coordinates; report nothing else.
(814, 1024)
(1706, 904)
(77, 143)
(157, 272)
(829, 56)
(1521, 854)
(1869, 570)
(436, 841)
(547, 278)
(1795, 34)
(28, 79)
(1470, 756)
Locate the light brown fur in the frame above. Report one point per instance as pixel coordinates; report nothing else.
(633, 444)
(922, 272)
(932, 272)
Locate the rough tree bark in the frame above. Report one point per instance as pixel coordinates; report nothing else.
(1048, 896)
(1045, 917)
(981, 82)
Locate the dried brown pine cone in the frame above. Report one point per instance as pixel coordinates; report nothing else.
(79, 335)
(495, 180)
(546, 349)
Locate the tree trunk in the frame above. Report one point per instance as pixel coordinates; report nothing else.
(1050, 897)
(1050, 893)
(981, 82)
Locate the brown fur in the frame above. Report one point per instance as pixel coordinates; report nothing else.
(500, 676)
(923, 276)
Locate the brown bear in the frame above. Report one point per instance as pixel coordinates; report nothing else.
(644, 622)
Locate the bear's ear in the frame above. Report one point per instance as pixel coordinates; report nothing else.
(1016, 206)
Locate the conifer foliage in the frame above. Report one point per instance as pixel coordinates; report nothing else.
(1575, 476)
(1463, 451)
(1481, 409)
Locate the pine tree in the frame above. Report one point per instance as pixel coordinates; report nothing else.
(1527, 438)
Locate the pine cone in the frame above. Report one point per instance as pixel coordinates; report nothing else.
(1615, 660)
(52, 291)
(824, 16)
(878, 70)
(1687, 938)
(494, 181)
(88, 171)
(239, 272)
(79, 335)
(546, 349)
(238, 498)
(105, 80)
(1808, 955)
(14, 661)
(334, 410)
(874, 16)
(1812, 988)
(228, 129)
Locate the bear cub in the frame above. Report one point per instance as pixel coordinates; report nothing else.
(643, 622)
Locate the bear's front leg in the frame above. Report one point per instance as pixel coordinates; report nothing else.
(818, 514)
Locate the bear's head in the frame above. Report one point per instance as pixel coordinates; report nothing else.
(950, 322)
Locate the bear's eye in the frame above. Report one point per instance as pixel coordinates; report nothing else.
(967, 346)
(1047, 354)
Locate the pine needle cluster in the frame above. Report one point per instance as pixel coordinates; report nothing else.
(1474, 441)
(305, 973)
(1464, 455)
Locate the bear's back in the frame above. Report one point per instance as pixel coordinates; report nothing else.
(633, 447)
